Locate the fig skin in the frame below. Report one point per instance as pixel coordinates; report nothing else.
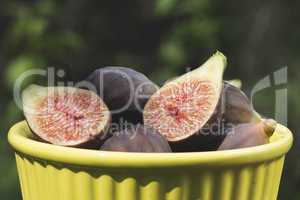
(237, 107)
(93, 143)
(136, 139)
(249, 135)
(124, 90)
(66, 116)
(234, 107)
(209, 138)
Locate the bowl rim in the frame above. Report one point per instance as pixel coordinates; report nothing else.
(19, 139)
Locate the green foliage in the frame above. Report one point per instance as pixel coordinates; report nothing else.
(19, 65)
(165, 7)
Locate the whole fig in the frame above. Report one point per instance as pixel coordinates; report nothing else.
(236, 106)
(249, 134)
(124, 90)
(136, 139)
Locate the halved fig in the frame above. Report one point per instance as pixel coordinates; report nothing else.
(137, 139)
(183, 106)
(249, 134)
(64, 115)
(124, 90)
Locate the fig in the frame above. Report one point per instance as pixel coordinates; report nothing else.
(137, 138)
(124, 90)
(233, 108)
(65, 116)
(236, 106)
(183, 106)
(249, 134)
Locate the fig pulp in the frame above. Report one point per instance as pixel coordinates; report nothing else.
(249, 134)
(64, 115)
(125, 91)
(137, 139)
(183, 106)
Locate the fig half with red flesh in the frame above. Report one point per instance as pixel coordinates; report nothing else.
(65, 116)
(183, 106)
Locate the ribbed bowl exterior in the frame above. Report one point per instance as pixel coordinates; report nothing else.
(46, 179)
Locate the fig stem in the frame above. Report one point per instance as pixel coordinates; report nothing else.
(256, 117)
(269, 126)
(235, 82)
(211, 67)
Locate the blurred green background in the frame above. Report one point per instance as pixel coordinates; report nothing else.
(158, 37)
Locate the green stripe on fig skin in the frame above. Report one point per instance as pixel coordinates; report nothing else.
(235, 82)
(217, 60)
(221, 55)
(211, 68)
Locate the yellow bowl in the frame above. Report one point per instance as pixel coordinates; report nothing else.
(49, 172)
